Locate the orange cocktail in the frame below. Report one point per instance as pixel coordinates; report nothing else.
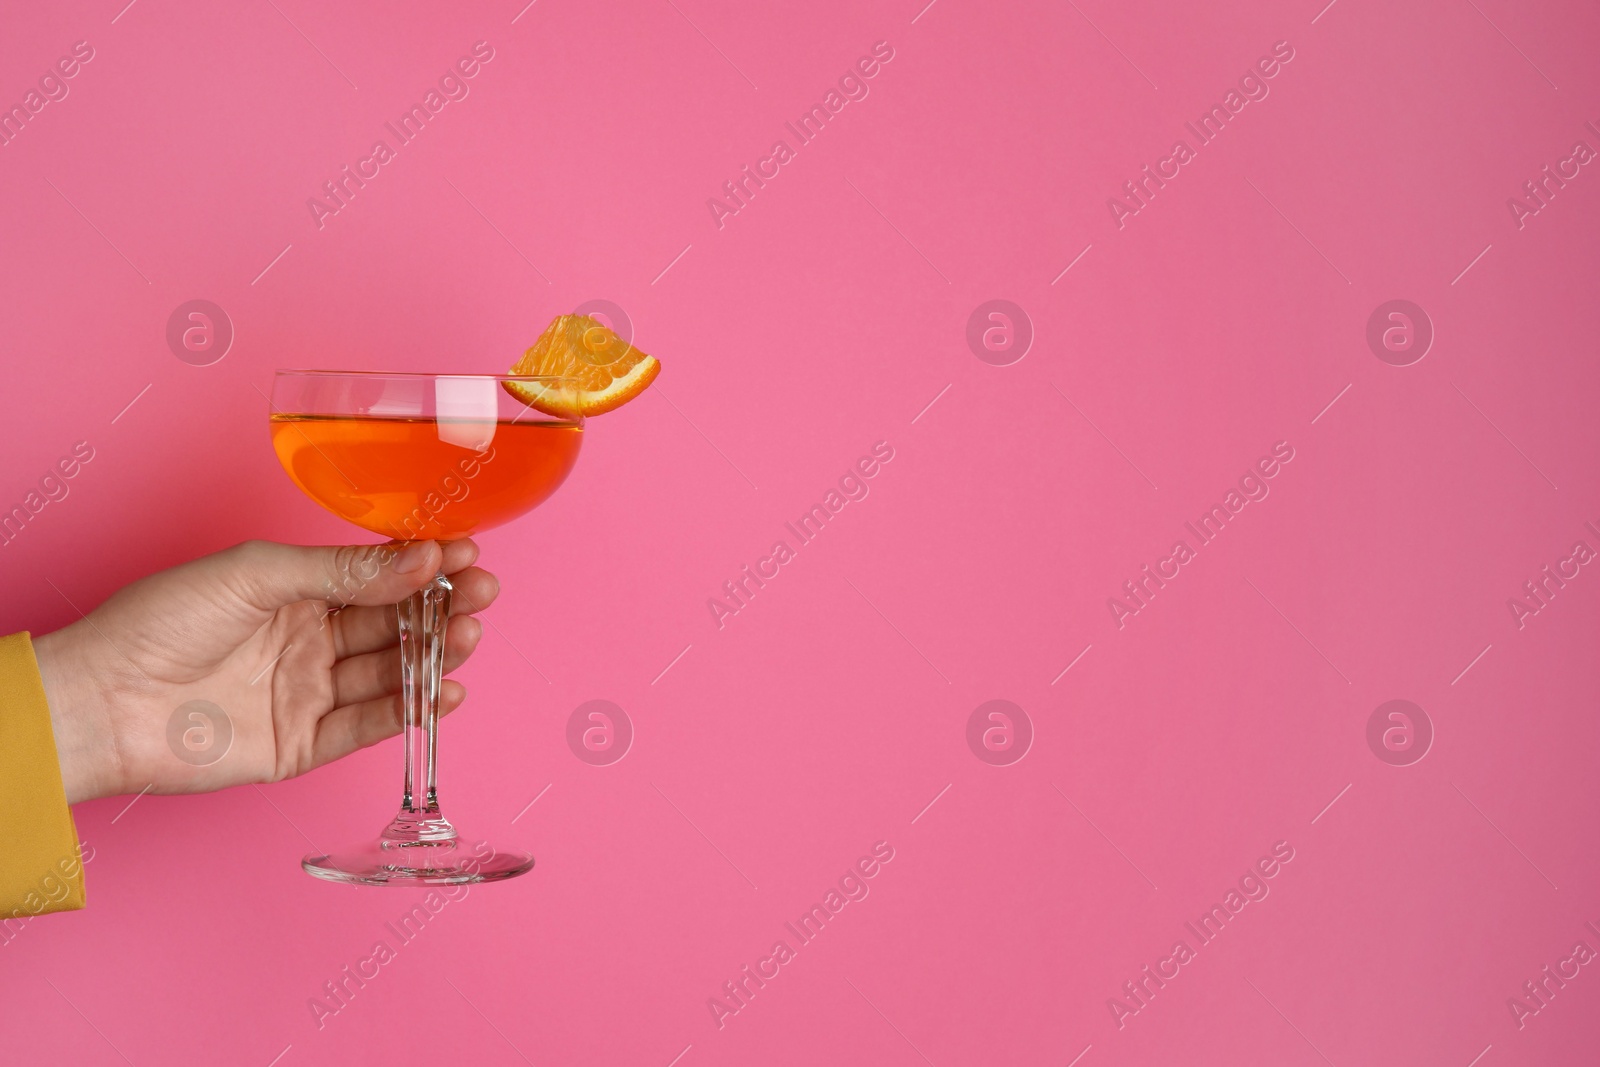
(423, 457)
(425, 478)
(436, 457)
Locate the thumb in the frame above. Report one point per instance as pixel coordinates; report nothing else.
(273, 575)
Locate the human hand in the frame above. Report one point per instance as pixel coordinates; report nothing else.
(249, 629)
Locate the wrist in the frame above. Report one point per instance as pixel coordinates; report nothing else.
(85, 745)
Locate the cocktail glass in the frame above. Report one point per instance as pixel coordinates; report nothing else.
(423, 457)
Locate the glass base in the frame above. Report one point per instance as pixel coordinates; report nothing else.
(416, 851)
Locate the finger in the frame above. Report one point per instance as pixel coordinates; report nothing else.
(458, 555)
(270, 575)
(377, 674)
(368, 629)
(479, 589)
(355, 726)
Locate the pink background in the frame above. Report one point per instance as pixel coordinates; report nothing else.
(1226, 716)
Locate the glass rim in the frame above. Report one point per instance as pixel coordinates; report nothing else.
(307, 373)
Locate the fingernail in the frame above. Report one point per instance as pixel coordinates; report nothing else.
(413, 556)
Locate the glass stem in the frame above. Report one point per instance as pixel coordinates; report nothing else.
(422, 627)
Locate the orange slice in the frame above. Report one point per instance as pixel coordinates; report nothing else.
(609, 371)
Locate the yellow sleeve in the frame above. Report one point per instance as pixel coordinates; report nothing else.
(41, 868)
